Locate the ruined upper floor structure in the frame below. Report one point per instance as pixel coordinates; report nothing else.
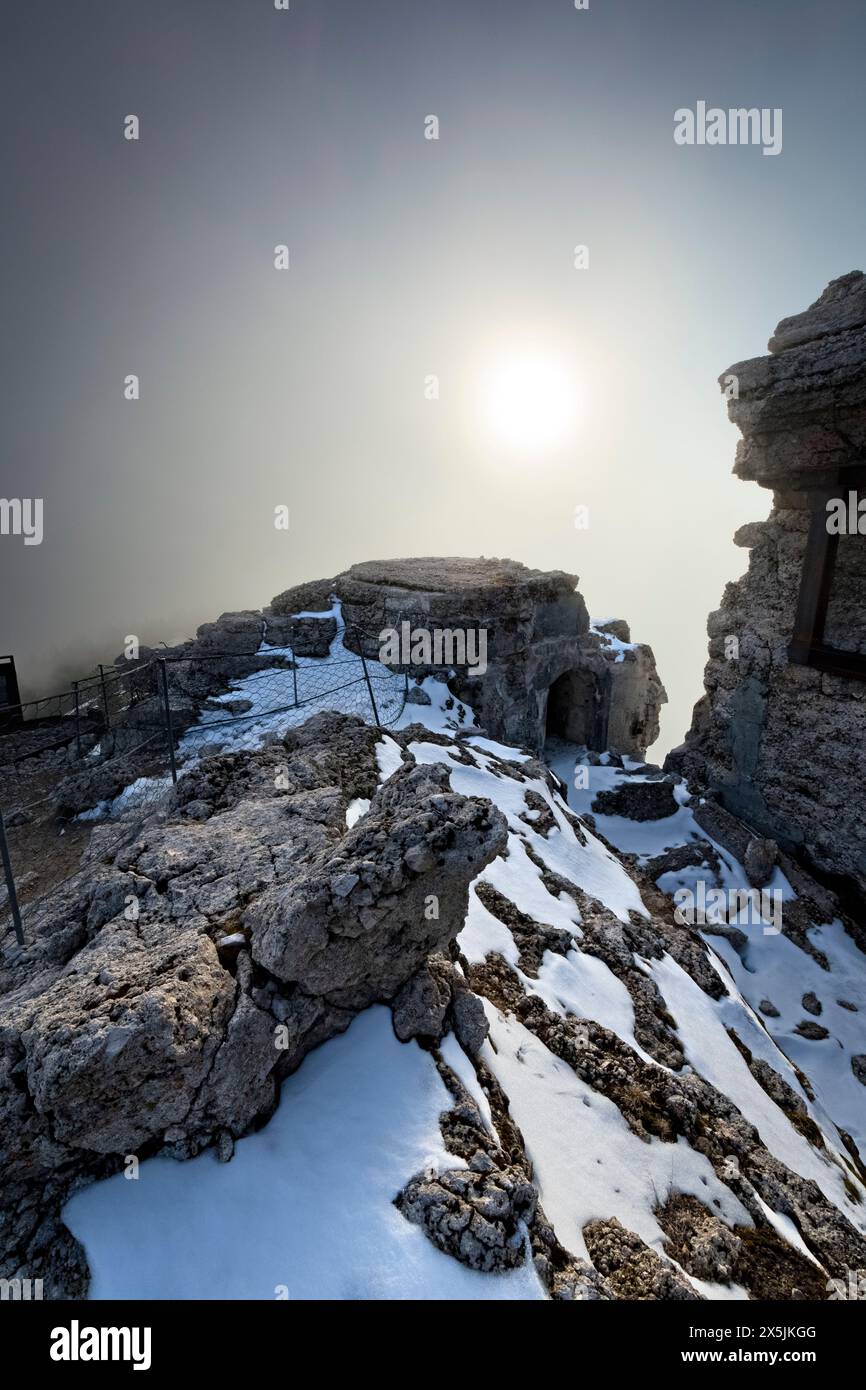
(780, 733)
(547, 671)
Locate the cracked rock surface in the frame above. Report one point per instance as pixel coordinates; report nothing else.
(544, 976)
(131, 1026)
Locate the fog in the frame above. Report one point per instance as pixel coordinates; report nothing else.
(409, 258)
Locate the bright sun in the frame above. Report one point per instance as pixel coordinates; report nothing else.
(530, 402)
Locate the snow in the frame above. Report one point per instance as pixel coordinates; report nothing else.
(441, 716)
(306, 1203)
(588, 864)
(786, 1229)
(355, 810)
(772, 966)
(141, 794)
(775, 968)
(647, 839)
(335, 682)
(454, 1057)
(389, 756)
(484, 934)
(614, 644)
(588, 1163)
(584, 986)
(517, 878)
(501, 750)
(321, 614)
(702, 1030)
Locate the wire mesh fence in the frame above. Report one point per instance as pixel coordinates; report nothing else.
(85, 767)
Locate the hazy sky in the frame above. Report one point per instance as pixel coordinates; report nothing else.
(409, 258)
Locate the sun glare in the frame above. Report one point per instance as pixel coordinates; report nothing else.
(530, 402)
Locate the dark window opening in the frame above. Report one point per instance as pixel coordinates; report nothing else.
(830, 626)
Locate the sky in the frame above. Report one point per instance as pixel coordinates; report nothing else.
(409, 258)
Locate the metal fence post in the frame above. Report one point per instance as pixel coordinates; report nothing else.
(360, 639)
(105, 697)
(10, 884)
(294, 664)
(167, 711)
(77, 719)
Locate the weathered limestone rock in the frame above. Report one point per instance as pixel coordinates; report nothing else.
(475, 1216)
(434, 999)
(420, 1008)
(783, 745)
(197, 669)
(360, 921)
(802, 410)
(760, 860)
(548, 672)
(312, 597)
(231, 634)
(137, 1020)
(757, 1258)
(290, 618)
(639, 800)
(631, 1268)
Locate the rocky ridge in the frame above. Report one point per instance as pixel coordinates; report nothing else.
(167, 997)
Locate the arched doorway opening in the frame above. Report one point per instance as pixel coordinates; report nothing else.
(574, 710)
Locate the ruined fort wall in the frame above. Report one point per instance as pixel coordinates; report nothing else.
(783, 743)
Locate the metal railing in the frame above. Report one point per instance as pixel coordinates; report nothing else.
(107, 752)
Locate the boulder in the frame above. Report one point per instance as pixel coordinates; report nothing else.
(164, 994)
(640, 801)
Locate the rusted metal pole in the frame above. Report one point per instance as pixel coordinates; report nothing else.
(77, 719)
(360, 637)
(10, 884)
(168, 724)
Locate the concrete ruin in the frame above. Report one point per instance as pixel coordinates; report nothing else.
(549, 673)
(780, 734)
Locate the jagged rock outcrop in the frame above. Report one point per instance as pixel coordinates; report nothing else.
(383, 899)
(435, 1000)
(193, 967)
(630, 1267)
(780, 734)
(761, 1261)
(475, 1216)
(598, 1048)
(168, 992)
